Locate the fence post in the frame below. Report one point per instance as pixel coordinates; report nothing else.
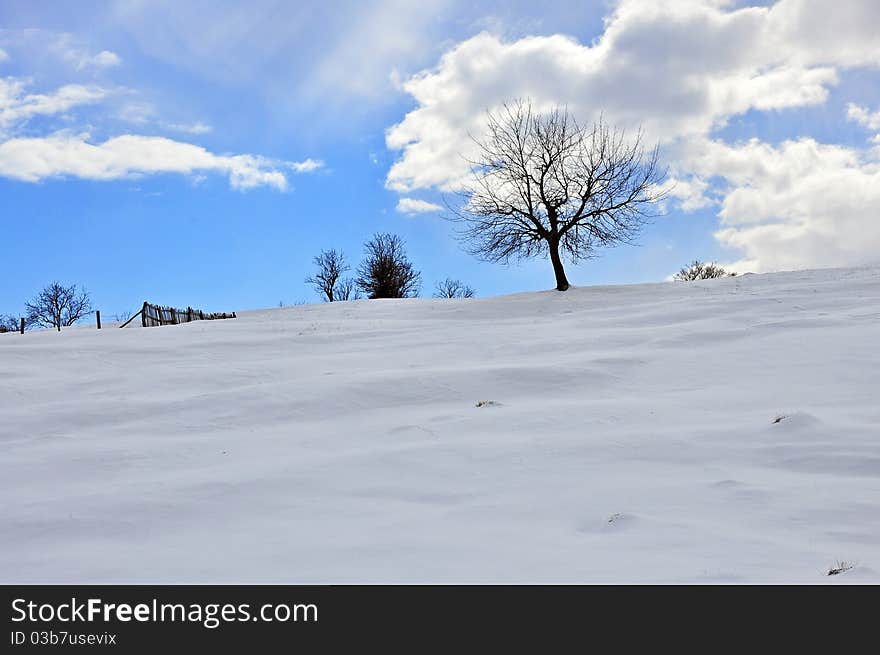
(173, 316)
(144, 315)
(98, 316)
(22, 325)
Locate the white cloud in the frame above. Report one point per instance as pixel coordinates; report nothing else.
(4, 56)
(689, 191)
(188, 128)
(77, 55)
(305, 166)
(16, 105)
(863, 116)
(681, 70)
(35, 159)
(138, 112)
(104, 59)
(67, 154)
(416, 206)
(799, 205)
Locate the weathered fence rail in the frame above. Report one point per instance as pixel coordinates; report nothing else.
(153, 315)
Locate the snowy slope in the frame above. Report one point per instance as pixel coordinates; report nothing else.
(632, 439)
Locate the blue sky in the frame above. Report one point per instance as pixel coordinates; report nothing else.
(201, 153)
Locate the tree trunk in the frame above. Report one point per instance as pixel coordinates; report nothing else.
(561, 281)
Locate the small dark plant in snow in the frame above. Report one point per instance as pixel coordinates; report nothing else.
(701, 271)
(840, 567)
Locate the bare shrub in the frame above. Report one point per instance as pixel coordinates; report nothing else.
(386, 272)
(450, 288)
(701, 271)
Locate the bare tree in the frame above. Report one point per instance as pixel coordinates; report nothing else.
(9, 323)
(347, 289)
(701, 271)
(450, 288)
(386, 272)
(58, 306)
(543, 184)
(331, 265)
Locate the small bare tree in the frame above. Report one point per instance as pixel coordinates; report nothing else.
(543, 184)
(331, 265)
(347, 289)
(122, 317)
(450, 288)
(58, 306)
(9, 323)
(701, 271)
(386, 272)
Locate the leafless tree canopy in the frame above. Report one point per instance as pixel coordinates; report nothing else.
(9, 323)
(331, 265)
(58, 306)
(346, 289)
(701, 271)
(450, 288)
(386, 272)
(542, 184)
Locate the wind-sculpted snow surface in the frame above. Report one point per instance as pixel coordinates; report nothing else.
(717, 431)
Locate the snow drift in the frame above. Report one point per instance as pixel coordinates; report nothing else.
(717, 431)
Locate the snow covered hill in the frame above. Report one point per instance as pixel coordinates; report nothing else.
(717, 431)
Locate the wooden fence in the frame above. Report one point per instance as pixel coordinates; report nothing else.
(152, 315)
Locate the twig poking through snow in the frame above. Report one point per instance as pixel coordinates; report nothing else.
(840, 567)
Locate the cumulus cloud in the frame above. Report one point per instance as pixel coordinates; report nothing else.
(678, 69)
(797, 205)
(416, 206)
(36, 159)
(690, 192)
